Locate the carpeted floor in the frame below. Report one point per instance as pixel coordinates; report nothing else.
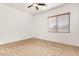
(37, 47)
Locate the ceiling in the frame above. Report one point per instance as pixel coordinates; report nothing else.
(32, 10)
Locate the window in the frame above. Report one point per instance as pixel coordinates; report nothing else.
(59, 23)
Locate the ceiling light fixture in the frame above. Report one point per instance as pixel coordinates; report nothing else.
(35, 4)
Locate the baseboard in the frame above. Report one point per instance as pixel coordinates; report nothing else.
(18, 40)
(57, 42)
(38, 38)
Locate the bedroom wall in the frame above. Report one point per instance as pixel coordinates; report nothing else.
(71, 38)
(15, 24)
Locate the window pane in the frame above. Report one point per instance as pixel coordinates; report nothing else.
(52, 24)
(63, 23)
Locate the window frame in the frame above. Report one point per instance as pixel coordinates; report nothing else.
(57, 22)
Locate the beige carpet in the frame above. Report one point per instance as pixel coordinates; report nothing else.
(37, 47)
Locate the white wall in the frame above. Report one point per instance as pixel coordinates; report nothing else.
(14, 25)
(67, 38)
